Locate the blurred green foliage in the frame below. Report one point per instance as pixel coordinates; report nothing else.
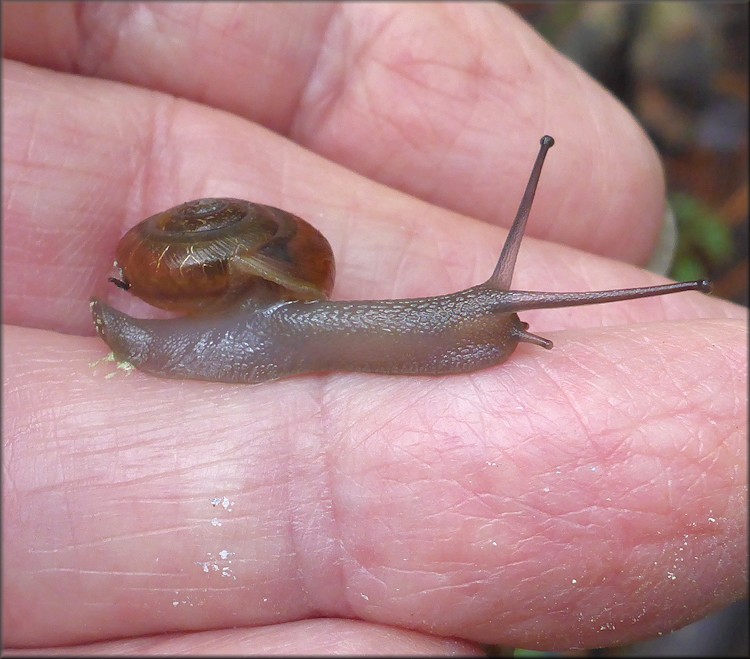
(704, 239)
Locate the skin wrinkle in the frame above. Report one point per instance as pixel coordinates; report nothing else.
(422, 82)
(558, 514)
(595, 121)
(572, 402)
(79, 61)
(346, 560)
(469, 499)
(78, 545)
(380, 286)
(414, 400)
(612, 427)
(444, 166)
(730, 361)
(644, 430)
(405, 136)
(549, 376)
(451, 587)
(474, 425)
(311, 94)
(327, 495)
(425, 82)
(224, 587)
(538, 512)
(608, 194)
(697, 481)
(107, 572)
(604, 140)
(165, 114)
(31, 146)
(203, 23)
(452, 265)
(524, 50)
(403, 263)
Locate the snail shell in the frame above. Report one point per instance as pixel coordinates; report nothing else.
(212, 253)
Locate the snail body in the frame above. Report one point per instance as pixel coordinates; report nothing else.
(241, 329)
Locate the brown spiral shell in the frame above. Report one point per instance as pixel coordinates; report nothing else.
(213, 252)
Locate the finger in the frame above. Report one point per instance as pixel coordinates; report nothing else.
(308, 637)
(75, 181)
(581, 497)
(440, 101)
(142, 45)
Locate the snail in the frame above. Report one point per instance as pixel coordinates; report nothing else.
(256, 311)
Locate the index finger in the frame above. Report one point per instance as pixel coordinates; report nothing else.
(439, 101)
(583, 497)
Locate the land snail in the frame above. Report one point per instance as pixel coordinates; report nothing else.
(257, 312)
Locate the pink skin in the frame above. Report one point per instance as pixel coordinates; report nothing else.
(584, 496)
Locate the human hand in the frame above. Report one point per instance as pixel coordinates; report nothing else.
(581, 497)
